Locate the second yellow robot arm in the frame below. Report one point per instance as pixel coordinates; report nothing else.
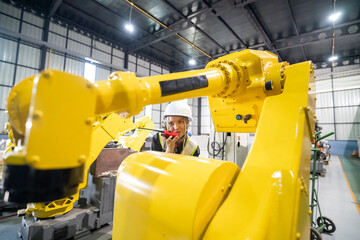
(105, 129)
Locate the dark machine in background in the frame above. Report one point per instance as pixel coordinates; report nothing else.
(323, 153)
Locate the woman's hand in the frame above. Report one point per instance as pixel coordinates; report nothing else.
(170, 144)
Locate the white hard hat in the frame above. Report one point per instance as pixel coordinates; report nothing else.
(178, 108)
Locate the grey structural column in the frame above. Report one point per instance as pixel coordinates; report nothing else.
(126, 59)
(333, 98)
(53, 8)
(45, 37)
(199, 116)
(66, 45)
(18, 45)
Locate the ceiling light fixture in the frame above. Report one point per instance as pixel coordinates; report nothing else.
(333, 58)
(192, 62)
(335, 16)
(128, 26)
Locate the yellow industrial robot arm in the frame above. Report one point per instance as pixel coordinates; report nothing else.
(54, 110)
(105, 129)
(136, 141)
(248, 91)
(9, 145)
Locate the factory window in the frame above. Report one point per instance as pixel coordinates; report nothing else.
(89, 72)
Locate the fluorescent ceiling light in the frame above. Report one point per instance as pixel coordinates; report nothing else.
(129, 27)
(192, 62)
(335, 16)
(91, 60)
(333, 58)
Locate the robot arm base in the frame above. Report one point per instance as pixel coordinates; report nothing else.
(34, 185)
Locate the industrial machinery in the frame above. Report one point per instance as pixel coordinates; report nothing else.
(106, 128)
(322, 154)
(160, 195)
(5, 147)
(324, 151)
(322, 224)
(232, 147)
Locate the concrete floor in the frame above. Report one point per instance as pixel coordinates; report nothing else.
(10, 226)
(335, 199)
(337, 203)
(351, 167)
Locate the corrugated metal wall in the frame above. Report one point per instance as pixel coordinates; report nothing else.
(56, 61)
(193, 103)
(118, 57)
(156, 113)
(29, 56)
(32, 25)
(24, 72)
(336, 110)
(19, 59)
(337, 107)
(206, 121)
(74, 66)
(9, 19)
(102, 73)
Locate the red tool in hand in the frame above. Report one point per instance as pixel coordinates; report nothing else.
(165, 133)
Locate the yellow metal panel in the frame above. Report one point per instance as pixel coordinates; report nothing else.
(48, 210)
(135, 93)
(224, 114)
(136, 142)
(270, 197)
(57, 99)
(121, 93)
(245, 96)
(160, 195)
(105, 130)
(18, 105)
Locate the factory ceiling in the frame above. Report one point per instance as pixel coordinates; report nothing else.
(172, 32)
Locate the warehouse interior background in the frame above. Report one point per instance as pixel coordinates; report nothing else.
(166, 35)
(97, 37)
